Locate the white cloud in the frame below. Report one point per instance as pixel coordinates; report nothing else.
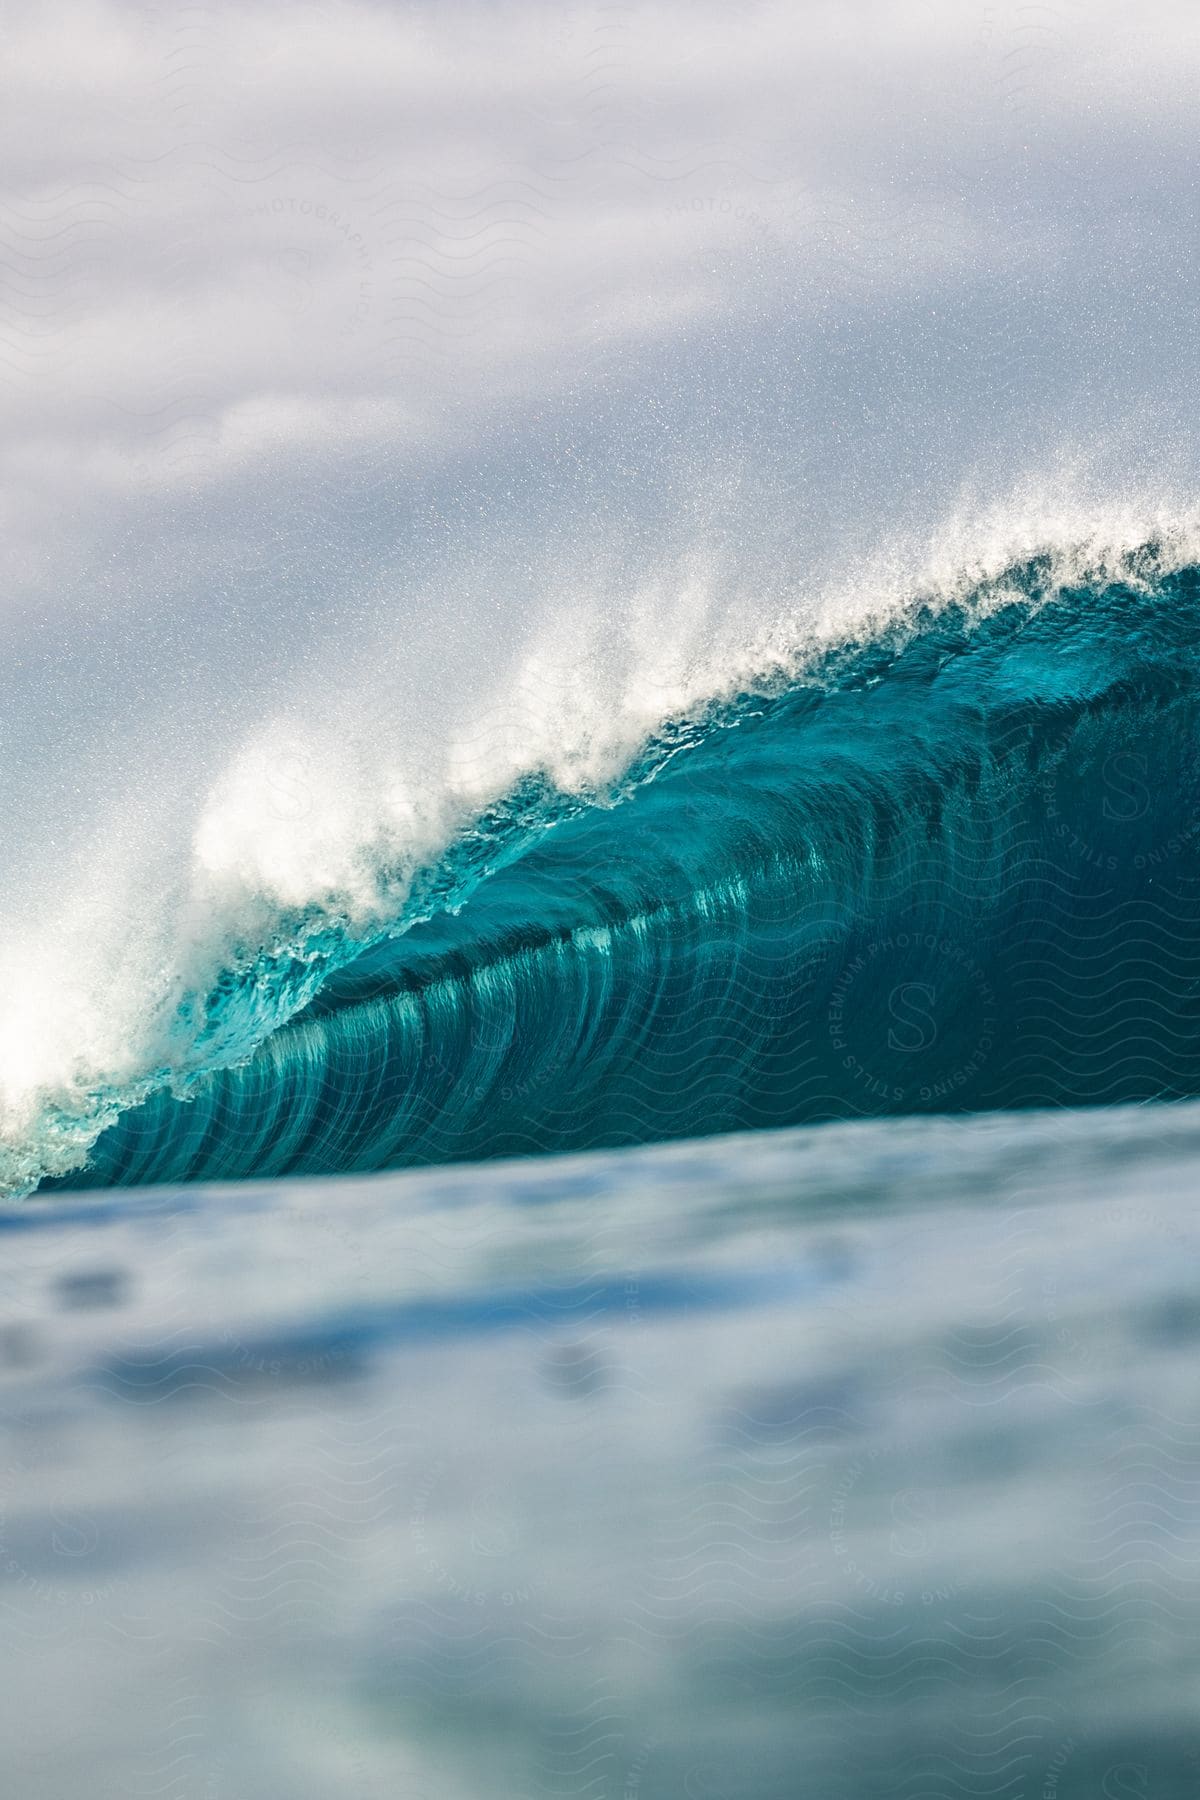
(252, 251)
(234, 232)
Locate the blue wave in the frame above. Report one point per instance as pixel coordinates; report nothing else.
(952, 868)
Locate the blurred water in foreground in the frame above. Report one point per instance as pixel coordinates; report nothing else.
(861, 1460)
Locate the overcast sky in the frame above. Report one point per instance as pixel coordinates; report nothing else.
(350, 330)
(241, 239)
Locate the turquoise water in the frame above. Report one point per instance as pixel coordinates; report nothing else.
(856, 1460)
(948, 867)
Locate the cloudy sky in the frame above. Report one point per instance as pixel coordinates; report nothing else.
(393, 337)
(246, 242)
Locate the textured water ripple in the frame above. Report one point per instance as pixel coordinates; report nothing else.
(863, 1459)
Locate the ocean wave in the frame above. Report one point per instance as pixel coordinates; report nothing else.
(935, 853)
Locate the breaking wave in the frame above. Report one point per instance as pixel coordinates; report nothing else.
(948, 863)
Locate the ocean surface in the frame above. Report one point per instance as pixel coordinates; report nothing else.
(820, 1417)
(857, 1459)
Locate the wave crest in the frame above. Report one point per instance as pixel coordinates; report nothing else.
(680, 929)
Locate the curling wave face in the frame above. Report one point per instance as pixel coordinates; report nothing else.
(948, 866)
